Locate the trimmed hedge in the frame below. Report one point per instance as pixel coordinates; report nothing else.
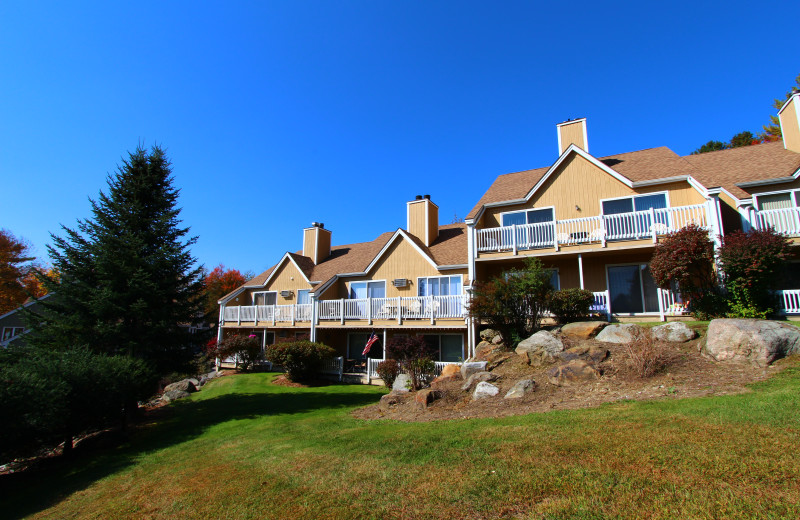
(301, 359)
(570, 305)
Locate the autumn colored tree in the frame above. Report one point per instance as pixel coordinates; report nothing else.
(772, 131)
(218, 283)
(15, 265)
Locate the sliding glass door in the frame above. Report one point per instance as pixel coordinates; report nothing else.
(632, 289)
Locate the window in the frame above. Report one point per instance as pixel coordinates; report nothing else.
(302, 296)
(530, 237)
(639, 224)
(360, 290)
(778, 201)
(356, 341)
(265, 298)
(439, 286)
(10, 332)
(450, 347)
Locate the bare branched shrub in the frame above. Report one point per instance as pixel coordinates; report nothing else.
(646, 356)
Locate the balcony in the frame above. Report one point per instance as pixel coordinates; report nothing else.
(786, 220)
(600, 229)
(365, 309)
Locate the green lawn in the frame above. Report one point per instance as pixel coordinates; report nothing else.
(243, 448)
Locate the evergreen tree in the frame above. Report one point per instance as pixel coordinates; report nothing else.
(772, 131)
(128, 282)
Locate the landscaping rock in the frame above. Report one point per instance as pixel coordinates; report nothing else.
(540, 358)
(425, 397)
(590, 354)
(389, 401)
(469, 368)
(402, 383)
(213, 374)
(477, 378)
(673, 332)
(483, 351)
(622, 333)
(203, 381)
(582, 329)
(484, 389)
(174, 395)
(194, 381)
(496, 359)
(442, 380)
(574, 372)
(185, 386)
(450, 370)
(759, 342)
(542, 340)
(488, 334)
(521, 389)
(497, 340)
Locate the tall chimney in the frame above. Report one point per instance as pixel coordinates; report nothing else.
(317, 242)
(423, 219)
(572, 132)
(789, 116)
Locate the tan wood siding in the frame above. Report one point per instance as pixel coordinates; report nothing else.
(281, 281)
(790, 126)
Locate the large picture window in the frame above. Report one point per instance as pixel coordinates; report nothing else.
(450, 347)
(529, 237)
(632, 289)
(439, 286)
(356, 341)
(265, 298)
(778, 201)
(634, 220)
(359, 290)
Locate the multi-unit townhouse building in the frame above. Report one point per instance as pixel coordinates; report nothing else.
(594, 221)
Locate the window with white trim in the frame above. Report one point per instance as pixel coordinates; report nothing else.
(635, 203)
(303, 296)
(529, 216)
(781, 200)
(439, 286)
(359, 290)
(450, 347)
(265, 298)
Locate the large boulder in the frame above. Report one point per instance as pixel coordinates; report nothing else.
(174, 395)
(574, 372)
(620, 333)
(758, 342)
(520, 389)
(476, 378)
(582, 329)
(402, 383)
(471, 367)
(541, 341)
(589, 354)
(425, 397)
(673, 332)
(484, 350)
(451, 370)
(488, 334)
(185, 386)
(484, 389)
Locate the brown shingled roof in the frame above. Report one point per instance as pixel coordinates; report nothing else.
(450, 248)
(727, 168)
(714, 169)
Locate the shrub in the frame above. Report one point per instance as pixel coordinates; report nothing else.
(569, 305)
(753, 264)
(301, 359)
(645, 356)
(742, 304)
(513, 304)
(246, 349)
(388, 371)
(414, 357)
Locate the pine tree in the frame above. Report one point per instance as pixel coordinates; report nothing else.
(128, 282)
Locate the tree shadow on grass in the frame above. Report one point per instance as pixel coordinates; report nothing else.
(55, 479)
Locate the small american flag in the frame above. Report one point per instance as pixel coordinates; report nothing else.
(372, 339)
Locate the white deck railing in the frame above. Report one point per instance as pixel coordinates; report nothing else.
(400, 308)
(790, 301)
(637, 225)
(601, 304)
(268, 313)
(333, 366)
(786, 220)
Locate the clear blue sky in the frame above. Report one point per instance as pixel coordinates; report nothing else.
(277, 114)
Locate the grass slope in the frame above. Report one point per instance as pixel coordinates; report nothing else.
(243, 448)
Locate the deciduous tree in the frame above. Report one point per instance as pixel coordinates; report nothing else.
(15, 265)
(218, 283)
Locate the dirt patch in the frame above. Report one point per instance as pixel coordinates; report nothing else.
(686, 373)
